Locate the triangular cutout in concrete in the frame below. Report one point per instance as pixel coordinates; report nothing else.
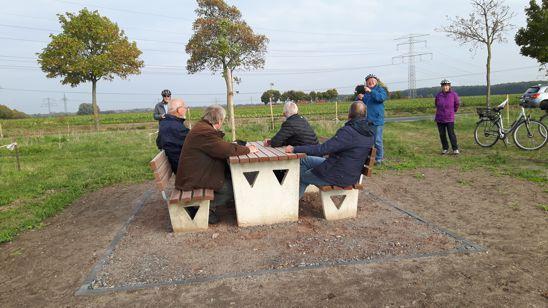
(338, 200)
(192, 211)
(251, 177)
(281, 174)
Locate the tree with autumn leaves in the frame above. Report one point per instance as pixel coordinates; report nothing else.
(223, 42)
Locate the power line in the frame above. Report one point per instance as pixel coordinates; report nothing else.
(49, 102)
(254, 93)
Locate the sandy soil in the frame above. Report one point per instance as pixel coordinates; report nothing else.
(45, 267)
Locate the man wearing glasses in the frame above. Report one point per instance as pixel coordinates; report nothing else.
(173, 131)
(160, 111)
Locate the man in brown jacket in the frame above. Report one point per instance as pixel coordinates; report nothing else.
(203, 161)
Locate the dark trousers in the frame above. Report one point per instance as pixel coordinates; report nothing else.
(448, 129)
(223, 195)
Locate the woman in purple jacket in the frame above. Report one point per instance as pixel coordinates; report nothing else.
(447, 103)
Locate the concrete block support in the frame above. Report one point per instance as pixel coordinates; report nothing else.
(266, 192)
(339, 204)
(181, 219)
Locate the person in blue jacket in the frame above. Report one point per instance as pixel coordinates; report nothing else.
(347, 151)
(173, 132)
(374, 99)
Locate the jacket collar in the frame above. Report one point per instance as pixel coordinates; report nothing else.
(174, 118)
(209, 125)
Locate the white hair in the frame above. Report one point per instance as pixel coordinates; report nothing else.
(290, 108)
(174, 104)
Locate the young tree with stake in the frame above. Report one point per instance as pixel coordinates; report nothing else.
(90, 48)
(487, 23)
(223, 41)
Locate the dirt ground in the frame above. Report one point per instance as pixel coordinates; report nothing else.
(45, 267)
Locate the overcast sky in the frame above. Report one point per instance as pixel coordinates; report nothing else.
(314, 45)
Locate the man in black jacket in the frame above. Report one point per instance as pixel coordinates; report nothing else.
(173, 132)
(295, 129)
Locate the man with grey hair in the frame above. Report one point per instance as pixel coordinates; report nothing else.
(172, 132)
(203, 159)
(295, 129)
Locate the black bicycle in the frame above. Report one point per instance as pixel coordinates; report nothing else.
(528, 134)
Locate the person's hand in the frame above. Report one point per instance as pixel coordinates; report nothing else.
(360, 96)
(266, 142)
(289, 149)
(163, 116)
(367, 89)
(252, 149)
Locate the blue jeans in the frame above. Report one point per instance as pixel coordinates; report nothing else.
(378, 142)
(307, 177)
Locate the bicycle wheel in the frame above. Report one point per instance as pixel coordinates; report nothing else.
(530, 135)
(544, 119)
(486, 133)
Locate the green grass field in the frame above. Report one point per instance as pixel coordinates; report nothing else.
(58, 169)
(54, 125)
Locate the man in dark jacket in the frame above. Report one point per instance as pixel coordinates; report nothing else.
(173, 132)
(203, 158)
(347, 151)
(160, 111)
(295, 129)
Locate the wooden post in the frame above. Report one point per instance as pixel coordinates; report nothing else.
(508, 111)
(336, 111)
(17, 156)
(271, 113)
(1, 132)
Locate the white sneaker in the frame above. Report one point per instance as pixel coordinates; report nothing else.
(443, 152)
(456, 152)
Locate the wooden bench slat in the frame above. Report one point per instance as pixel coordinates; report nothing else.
(282, 152)
(186, 196)
(271, 155)
(159, 160)
(253, 158)
(175, 196)
(198, 194)
(325, 188)
(209, 194)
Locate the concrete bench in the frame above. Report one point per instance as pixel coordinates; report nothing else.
(342, 202)
(188, 210)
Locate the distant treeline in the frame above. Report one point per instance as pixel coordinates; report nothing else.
(7, 113)
(502, 88)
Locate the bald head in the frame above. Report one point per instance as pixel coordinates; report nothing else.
(175, 104)
(357, 110)
(177, 108)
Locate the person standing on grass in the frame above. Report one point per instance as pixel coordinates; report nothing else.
(172, 132)
(374, 99)
(160, 111)
(447, 104)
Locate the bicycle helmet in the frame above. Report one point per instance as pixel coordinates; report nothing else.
(166, 93)
(371, 76)
(445, 81)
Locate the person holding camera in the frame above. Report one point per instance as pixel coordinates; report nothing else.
(373, 97)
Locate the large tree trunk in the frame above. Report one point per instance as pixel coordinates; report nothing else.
(230, 100)
(94, 104)
(488, 76)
